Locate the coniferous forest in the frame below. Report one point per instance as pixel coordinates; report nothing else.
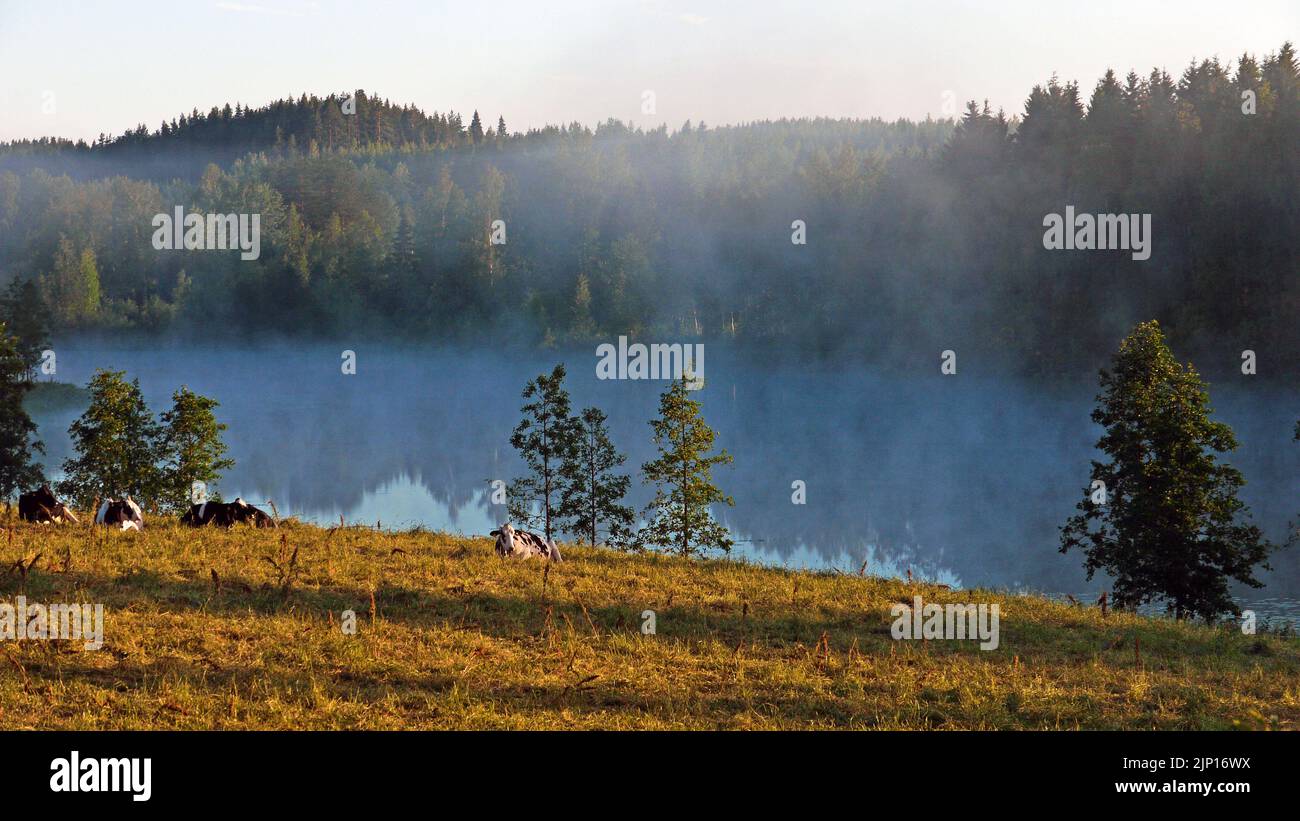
(379, 218)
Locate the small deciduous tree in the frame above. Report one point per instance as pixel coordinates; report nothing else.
(590, 502)
(1171, 526)
(191, 448)
(117, 444)
(679, 515)
(545, 439)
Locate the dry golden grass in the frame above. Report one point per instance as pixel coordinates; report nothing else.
(213, 629)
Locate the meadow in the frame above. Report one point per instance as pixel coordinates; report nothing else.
(244, 629)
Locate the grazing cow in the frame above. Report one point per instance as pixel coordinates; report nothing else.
(226, 514)
(520, 544)
(124, 513)
(41, 506)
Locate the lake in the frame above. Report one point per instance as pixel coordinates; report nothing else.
(961, 479)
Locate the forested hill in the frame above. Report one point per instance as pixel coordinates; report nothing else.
(887, 241)
(335, 122)
(356, 124)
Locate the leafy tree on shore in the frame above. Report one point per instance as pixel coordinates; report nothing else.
(117, 443)
(191, 448)
(679, 517)
(1170, 526)
(17, 445)
(545, 439)
(590, 501)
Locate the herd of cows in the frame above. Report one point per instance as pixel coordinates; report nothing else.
(43, 506)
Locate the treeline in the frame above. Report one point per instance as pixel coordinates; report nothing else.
(886, 241)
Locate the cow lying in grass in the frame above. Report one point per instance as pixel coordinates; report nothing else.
(226, 514)
(123, 513)
(41, 506)
(520, 544)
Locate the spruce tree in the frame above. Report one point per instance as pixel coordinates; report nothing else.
(28, 319)
(17, 445)
(1295, 528)
(476, 129)
(1170, 527)
(679, 516)
(590, 501)
(545, 439)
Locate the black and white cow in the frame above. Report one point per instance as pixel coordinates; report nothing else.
(226, 514)
(123, 513)
(520, 544)
(41, 506)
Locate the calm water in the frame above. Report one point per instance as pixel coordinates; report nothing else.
(962, 479)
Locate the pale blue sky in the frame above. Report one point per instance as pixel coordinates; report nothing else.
(74, 69)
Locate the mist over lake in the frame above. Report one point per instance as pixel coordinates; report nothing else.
(963, 479)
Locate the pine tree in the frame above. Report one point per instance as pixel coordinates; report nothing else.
(1171, 526)
(683, 477)
(501, 128)
(191, 448)
(117, 444)
(545, 439)
(590, 500)
(17, 470)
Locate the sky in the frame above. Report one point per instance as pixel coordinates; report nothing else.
(76, 69)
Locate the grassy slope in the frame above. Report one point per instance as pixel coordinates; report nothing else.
(463, 639)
